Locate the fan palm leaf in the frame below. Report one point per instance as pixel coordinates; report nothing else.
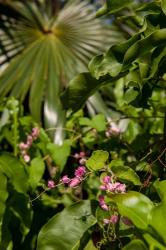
(41, 52)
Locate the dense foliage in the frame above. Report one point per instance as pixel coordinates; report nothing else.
(104, 187)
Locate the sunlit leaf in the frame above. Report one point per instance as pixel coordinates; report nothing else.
(135, 206)
(97, 160)
(65, 230)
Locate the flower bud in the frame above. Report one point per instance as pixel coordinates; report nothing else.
(27, 158)
(65, 179)
(51, 184)
(74, 182)
(80, 172)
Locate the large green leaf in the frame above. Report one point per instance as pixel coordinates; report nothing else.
(145, 45)
(124, 172)
(97, 160)
(15, 171)
(36, 171)
(112, 61)
(19, 205)
(65, 230)
(135, 206)
(80, 88)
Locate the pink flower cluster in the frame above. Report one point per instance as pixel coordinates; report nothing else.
(78, 177)
(71, 182)
(116, 187)
(81, 157)
(113, 219)
(108, 186)
(24, 147)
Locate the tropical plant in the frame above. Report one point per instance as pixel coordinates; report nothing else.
(104, 187)
(43, 47)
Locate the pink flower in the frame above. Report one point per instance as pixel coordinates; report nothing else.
(105, 207)
(106, 179)
(65, 179)
(82, 154)
(119, 187)
(115, 130)
(102, 203)
(76, 156)
(114, 219)
(111, 187)
(106, 221)
(74, 182)
(29, 140)
(80, 172)
(103, 187)
(51, 184)
(116, 187)
(23, 146)
(26, 158)
(35, 133)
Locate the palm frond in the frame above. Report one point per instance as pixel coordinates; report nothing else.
(42, 52)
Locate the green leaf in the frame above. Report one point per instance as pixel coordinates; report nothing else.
(157, 215)
(97, 160)
(144, 45)
(135, 206)
(60, 153)
(90, 246)
(4, 118)
(80, 88)
(124, 172)
(102, 65)
(112, 6)
(130, 95)
(15, 171)
(89, 139)
(135, 245)
(153, 243)
(163, 6)
(160, 187)
(4, 194)
(98, 122)
(65, 230)
(19, 204)
(36, 171)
